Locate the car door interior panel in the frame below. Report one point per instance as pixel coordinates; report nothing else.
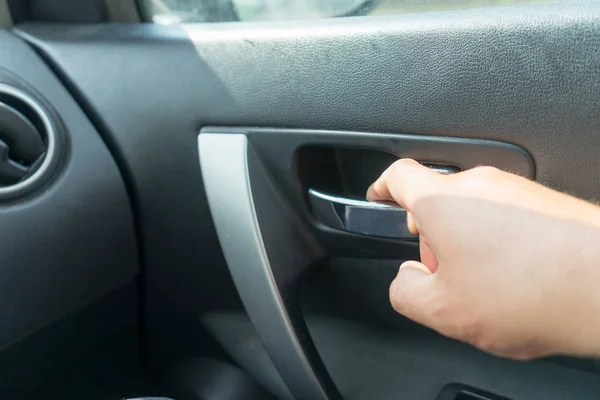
(183, 206)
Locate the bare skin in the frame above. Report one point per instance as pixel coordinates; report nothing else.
(507, 265)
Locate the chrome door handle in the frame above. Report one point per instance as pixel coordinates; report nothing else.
(360, 216)
(366, 217)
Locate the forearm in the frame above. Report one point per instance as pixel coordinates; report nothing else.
(582, 302)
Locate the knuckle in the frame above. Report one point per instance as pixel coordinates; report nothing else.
(477, 177)
(441, 309)
(484, 172)
(508, 345)
(404, 163)
(461, 323)
(400, 302)
(407, 302)
(480, 333)
(476, 335)
(471, 331)
(398, 306)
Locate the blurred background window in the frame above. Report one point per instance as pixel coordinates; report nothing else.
(179, 11)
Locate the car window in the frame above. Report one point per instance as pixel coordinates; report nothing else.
(178, 11)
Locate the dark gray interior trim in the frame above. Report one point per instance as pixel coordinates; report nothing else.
(525, 75)
(66, 244)
(370, 363)
(42, 356)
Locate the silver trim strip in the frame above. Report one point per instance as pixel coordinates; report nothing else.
(224, 161)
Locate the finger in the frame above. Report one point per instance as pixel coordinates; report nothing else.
(403, 182)
(416, 265)
(411, 290)
(428, 258)
(410, 222)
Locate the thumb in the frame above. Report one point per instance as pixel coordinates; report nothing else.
(411, 290)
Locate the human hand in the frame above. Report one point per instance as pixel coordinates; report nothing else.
(507, 265)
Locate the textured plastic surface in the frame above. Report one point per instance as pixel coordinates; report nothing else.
(525, 75)
(209, 379)
(370, 362)
(35, 366)
(66, 245)
(463, 392)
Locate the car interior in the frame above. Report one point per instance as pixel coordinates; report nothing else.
(182, 189)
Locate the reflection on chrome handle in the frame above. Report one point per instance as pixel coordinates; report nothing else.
(366, 217)
(360, 216)
(442, 169)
